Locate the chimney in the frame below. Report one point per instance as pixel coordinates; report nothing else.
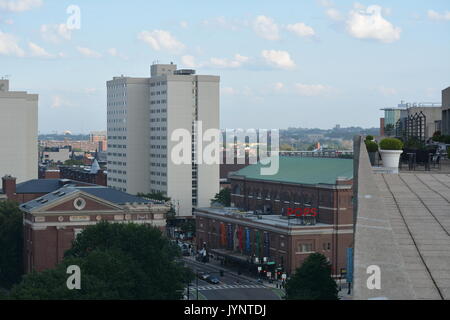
(9, 186)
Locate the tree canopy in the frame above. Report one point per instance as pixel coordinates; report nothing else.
(223, 197)
(11, 244)
(71, 162)
(117, 261)
(312, 281)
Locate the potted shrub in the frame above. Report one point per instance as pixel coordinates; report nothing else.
(391, 149)
(369, 138)
(372, 148)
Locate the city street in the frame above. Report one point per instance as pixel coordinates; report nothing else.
(231, 286)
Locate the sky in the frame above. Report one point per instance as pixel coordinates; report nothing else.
(308, 63)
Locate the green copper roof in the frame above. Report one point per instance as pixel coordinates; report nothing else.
(303, 170)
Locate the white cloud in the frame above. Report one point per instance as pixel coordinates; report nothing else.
(161, 40)
(334, 14)
(278, 58)
(228, 91)
(301, 29)
(59, 101)
(278, 86)
(387, 11)
(9, 45)
(433, 15)
(310, 90)
(184, 24)
(385, 91)
(37, 51)
(19, 5)
(238, 61)
(88, 52)
(370, 24)
(115, 53)
(266, 28)
(358, 6)
(188, 61)
(55, 33)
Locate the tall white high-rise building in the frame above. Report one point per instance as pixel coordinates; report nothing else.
(142, 115)
(18, 133)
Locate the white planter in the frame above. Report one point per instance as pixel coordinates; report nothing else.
(391, 158)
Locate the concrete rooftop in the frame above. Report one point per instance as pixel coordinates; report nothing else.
(419, 207)
(402, 225)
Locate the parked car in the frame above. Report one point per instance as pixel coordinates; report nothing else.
(213, 280)
(203, 275)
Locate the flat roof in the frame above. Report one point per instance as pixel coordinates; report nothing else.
(269, 220)
(303, 170)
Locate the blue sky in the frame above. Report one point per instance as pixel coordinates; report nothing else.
(295, 63)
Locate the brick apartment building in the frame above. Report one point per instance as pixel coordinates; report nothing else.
(53, 221)
(96, 177)
(259, 226)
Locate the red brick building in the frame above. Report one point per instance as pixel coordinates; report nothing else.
(98, 177)
(53, 221)
(49, 173)
(32, 189)
(259, 226)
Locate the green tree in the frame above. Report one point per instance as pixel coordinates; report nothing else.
(188, 226)
(105, 274)
(312, 281)
(73, 162)
(157, 256)
(286, 147)
(171, 214)
(223, 197)
(117, 261)
(11, 244)
(3, 294)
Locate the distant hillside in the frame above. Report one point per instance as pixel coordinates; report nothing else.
(336, 138)
(343, 133)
